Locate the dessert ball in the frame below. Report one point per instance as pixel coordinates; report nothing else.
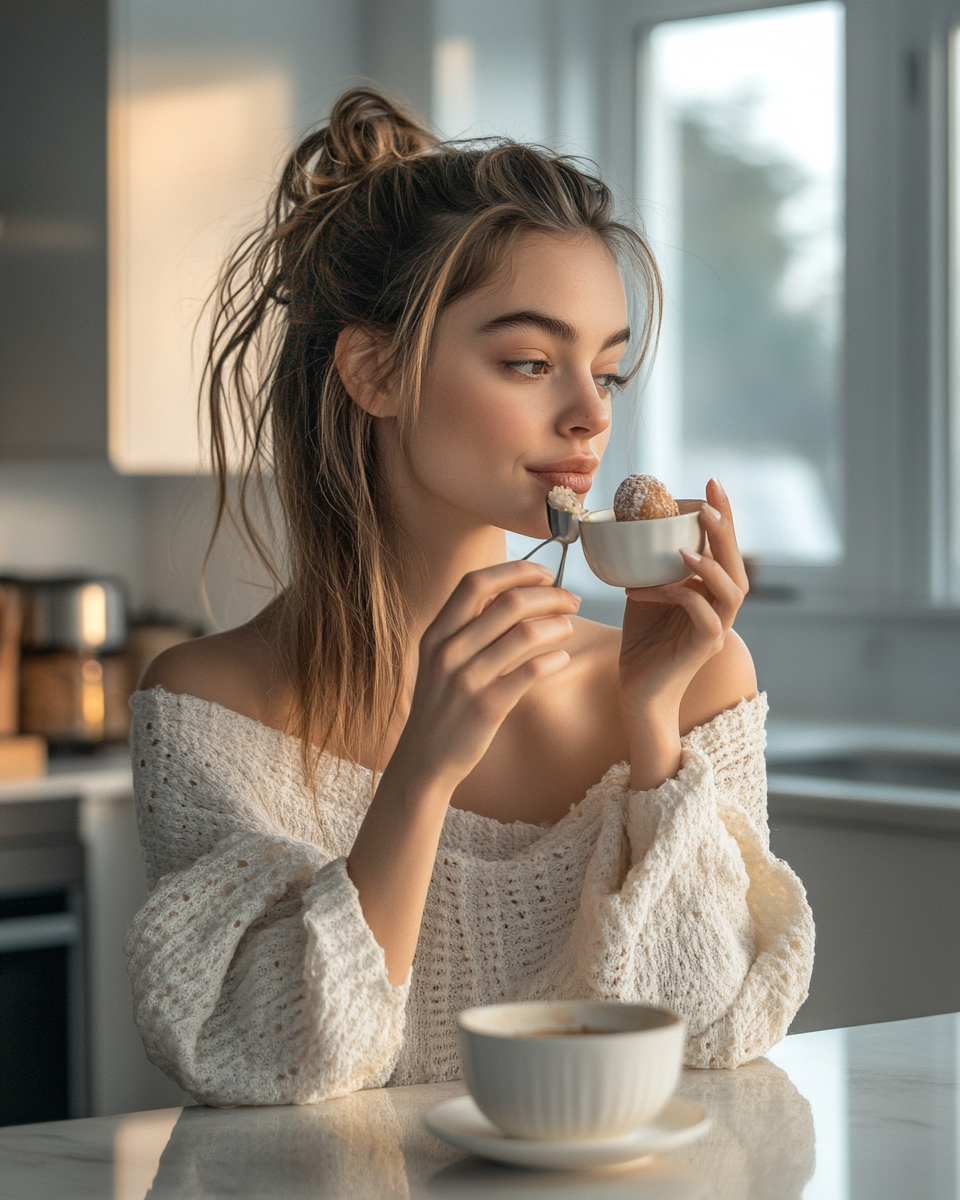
(643, 498)
(566, 500)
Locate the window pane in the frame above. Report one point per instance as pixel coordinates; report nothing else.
(741, 187)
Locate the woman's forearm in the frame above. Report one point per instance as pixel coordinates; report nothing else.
(498, 635)
(392, 861)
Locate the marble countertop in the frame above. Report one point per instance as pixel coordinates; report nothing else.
(868, 1111)
(105, 774)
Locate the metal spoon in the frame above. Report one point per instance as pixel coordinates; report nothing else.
(565, 529)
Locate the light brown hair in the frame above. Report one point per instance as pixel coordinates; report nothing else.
(379, 225)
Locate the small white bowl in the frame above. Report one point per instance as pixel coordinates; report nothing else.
(576, 1086)
(641, 553)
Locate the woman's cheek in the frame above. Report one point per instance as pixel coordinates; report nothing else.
(491, 420)
(600, 443)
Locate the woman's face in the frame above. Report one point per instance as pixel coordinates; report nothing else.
(517, 393)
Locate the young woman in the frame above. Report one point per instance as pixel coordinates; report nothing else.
(421, 343)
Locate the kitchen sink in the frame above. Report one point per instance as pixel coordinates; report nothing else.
(892, 768)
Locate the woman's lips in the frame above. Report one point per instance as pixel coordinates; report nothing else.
(579, 482)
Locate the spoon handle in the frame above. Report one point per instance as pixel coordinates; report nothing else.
(558, 582)
(540, 547)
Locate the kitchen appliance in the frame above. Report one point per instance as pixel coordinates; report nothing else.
(73, 678)
(75, 699)
(86, 616)
(43, 1067)
(11, 624)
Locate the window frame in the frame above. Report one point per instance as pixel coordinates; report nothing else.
(895, 426)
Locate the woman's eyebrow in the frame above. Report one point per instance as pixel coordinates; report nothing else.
(551, 325)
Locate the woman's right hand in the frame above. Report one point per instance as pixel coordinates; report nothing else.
(500, 633)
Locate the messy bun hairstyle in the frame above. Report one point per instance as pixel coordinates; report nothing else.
(376, 224)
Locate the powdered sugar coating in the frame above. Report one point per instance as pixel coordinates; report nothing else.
(643, 498)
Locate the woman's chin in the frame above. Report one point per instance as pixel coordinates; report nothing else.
(529, 529)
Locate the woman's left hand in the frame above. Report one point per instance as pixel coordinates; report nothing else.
(669, 632)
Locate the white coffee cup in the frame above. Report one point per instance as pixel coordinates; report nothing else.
(578, 1070)
(641, 553)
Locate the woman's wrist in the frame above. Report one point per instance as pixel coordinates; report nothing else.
(655, 751)
(413, 783)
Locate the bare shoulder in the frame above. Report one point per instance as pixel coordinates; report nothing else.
(721, 683)
(236, 669)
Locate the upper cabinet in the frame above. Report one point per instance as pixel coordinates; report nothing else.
(205, 101)
(202, 101)
(53, 297)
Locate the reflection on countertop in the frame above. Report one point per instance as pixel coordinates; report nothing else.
(835, 1114)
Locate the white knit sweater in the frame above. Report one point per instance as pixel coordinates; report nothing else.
(257, 981)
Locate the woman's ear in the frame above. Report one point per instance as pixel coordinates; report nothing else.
(359, 359)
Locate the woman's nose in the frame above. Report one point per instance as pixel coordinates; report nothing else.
(587, 410)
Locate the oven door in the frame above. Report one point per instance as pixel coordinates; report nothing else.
(43, 1046)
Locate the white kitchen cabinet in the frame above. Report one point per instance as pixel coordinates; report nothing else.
(201, 102)
(886, 903)
(120, 1079)
(52, 229)
(868, 815)
(205, 100)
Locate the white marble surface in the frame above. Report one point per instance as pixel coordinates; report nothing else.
(835, 1115)
(104, 776)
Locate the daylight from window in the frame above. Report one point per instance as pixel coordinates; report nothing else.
(740, 184)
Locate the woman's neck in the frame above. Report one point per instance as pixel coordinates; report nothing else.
(435, 555)
(438, 543)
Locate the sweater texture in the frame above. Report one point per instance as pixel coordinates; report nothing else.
(256, 979)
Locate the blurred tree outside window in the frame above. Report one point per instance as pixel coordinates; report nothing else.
(741, 189)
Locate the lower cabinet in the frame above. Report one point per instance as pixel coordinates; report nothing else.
(886, 902)
(121, 1078)
(71, 880)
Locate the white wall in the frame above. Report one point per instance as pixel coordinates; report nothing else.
(57, 517)
(901, 669)
(176, 525)
(60, 518)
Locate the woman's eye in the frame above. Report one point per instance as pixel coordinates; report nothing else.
(611, 382)
(530, 367)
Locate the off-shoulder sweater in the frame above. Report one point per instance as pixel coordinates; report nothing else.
(256, 979)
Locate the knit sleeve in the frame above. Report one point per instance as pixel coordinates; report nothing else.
(255, 977)
(734, 742)
(683, 905)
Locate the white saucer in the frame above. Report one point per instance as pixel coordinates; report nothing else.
(462, 1124)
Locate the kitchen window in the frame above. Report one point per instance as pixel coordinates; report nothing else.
(740, 183)
(953, 425)
(882, 460)
(843, 468)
